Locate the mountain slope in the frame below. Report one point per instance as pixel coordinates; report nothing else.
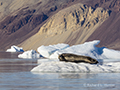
(108, 32)
(20, 19)
(72, 25)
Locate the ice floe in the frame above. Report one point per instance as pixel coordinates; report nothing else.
(29, 54)
(65, 67)
(86, 49)
(15, 49)
(109, 59)
(46, 51)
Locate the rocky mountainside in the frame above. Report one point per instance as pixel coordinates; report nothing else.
(20, 19)
(72, 25)
(30, 23)
(109, 31)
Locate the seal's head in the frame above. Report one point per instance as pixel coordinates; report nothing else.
(61, 57)
(92, 60)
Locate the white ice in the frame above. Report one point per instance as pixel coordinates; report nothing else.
(29, 54)
(46, 51)
(57, 66)
(15, 49)
(86, 49)
(109, 59)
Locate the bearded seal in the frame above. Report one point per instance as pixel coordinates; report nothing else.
(76, 58)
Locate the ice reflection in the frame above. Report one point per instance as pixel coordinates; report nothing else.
(9, 55)
(64, 75)
(10, 63)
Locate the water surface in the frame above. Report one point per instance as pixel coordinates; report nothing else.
(15, 75)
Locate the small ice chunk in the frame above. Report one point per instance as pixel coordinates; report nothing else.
(29, 54)
(15, 49)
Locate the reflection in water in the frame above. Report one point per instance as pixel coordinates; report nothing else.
(77, 75)
(9, 55)
(15, 65)
(9, 62)
(65, 75)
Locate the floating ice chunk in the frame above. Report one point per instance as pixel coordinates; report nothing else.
(46, 51)
(55, 66)
(109, 59)
(15, 49)
(29, 54)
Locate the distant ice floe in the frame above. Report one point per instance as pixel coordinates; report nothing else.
(29, 54)
(109, 59)
(15, 49)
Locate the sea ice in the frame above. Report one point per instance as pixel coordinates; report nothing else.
(29, 54)
(86, 49)
(109, 59)
(57, 66)
(89, 49)
(46, 51)
(15, 49)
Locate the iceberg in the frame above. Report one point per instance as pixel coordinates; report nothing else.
(109, 59)
(46, 51)
(29, 54)
(66, 67)
(15, 49)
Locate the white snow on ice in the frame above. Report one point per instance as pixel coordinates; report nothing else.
(86, 49)
(29, 54)
(15, 49)
(46, 51)
(57, 66)
(109, 59)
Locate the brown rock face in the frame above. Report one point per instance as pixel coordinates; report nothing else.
(73, 25)
(108, 33)
(20, 20)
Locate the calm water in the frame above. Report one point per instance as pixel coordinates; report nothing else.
(15, 75)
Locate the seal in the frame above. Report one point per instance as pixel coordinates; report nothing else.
(76, 58)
